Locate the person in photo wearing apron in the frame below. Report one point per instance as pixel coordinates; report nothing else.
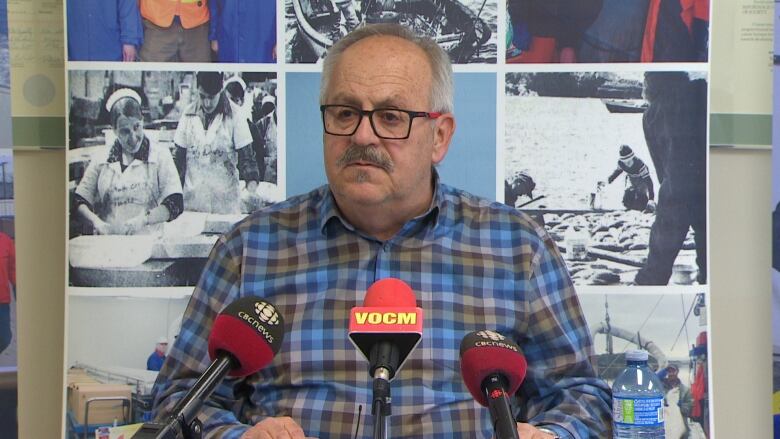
(213, 150)
(135, 187)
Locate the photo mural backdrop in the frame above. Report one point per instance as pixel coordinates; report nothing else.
(593, 120)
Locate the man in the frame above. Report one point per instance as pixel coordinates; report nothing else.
(386, 100)
(672, 384)
(264, 115)
(519, 184)
(213, 150)
(675, 128)
(175, 31)
(639, 195)
(100, 30)
(157, 358)
(349, 19)
(671, 380)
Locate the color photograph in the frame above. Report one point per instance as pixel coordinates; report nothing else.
(225, 31)
(673, 329)
(607, 31)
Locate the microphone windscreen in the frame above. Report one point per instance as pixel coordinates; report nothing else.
(390, 292)
(251, 330)
(484, 353)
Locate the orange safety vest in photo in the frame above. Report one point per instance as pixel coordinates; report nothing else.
(192, 13)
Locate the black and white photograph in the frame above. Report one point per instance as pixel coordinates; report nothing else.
(160, 164)
(607, 31)
(673, 329)
(466, 29)
(614, 165)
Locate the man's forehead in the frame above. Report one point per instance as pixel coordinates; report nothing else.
(381, 51)
(382, 70)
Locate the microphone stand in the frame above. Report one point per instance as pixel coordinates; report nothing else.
(380, 406)
(183, 422)
(500, 408)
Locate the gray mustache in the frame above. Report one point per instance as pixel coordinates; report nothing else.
(367, 154)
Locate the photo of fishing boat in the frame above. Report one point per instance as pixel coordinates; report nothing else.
(466, 30)
(673, 329)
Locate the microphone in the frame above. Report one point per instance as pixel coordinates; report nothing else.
(388, 326)
(244, 338)
(493, 367)
(385, 329)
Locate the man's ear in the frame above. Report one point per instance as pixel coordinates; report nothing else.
(442, 136)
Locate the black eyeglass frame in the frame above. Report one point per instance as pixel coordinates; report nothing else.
(370, 114)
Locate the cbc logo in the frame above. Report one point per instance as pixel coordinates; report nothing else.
(266, 313)
(495, 336)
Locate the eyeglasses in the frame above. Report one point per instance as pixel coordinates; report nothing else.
(387, 123)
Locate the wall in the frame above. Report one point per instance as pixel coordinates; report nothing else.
(740, 237)
(740, 234)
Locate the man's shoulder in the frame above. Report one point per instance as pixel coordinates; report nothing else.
(479, 212)
(297, 213)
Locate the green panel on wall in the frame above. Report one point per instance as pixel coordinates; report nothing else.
(38, 132)
(741, 130)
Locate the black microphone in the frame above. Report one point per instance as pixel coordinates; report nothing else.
(244, 338)
(493, 367)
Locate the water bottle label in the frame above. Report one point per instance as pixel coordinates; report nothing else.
(638, 411)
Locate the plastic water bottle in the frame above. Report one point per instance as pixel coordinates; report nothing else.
(638, 400)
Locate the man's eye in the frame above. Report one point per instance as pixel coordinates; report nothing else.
(346, 113)
(390, 116)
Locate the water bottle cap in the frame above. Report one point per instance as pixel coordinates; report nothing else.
(636, 355)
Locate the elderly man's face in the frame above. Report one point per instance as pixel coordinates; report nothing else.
(363, 169)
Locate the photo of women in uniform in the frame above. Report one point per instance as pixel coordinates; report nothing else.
(160, 164)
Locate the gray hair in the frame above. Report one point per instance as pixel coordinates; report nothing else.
(441, 78)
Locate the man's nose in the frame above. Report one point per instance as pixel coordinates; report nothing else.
(365, 135)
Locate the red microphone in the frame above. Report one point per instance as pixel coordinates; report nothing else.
(493, 367)
(250, 331)
(244, 338)
(385, 329)
(388, 326)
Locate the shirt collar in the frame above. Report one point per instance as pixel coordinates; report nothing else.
(328, 211)
(115, 155)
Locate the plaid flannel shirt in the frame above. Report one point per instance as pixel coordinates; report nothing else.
(473, 264)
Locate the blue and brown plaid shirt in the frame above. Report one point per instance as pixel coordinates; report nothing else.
(473, 264)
